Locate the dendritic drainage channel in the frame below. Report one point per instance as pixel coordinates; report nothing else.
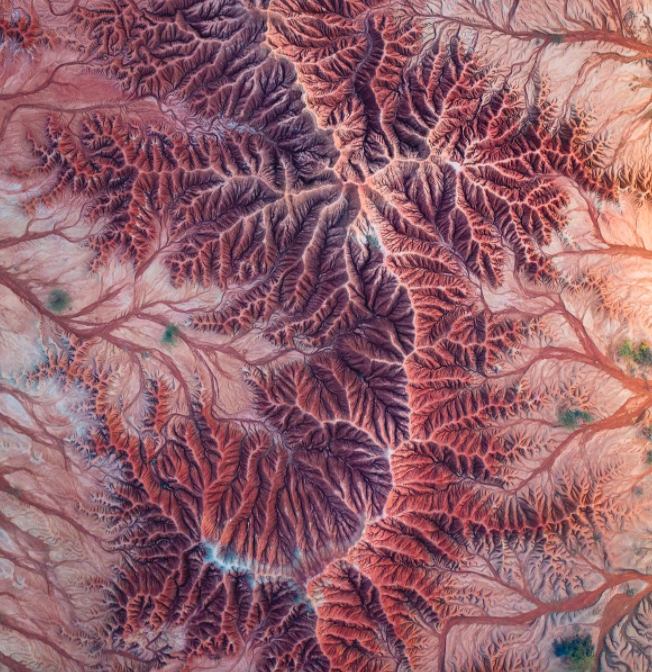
(326, 339)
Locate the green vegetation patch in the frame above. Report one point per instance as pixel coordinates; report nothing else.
(58, 300)
(576, 651)
(643, 355)
(573, 417)
(625, 349)
(556, 39)
(640, 354)
(170, 335)
(372, 241)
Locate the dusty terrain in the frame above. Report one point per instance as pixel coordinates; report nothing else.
(325, 336)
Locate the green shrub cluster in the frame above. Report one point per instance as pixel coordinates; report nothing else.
(576, 651)
(372, 241)
(170, 334)
(58, 300)
(640, 354)
(572, 417)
